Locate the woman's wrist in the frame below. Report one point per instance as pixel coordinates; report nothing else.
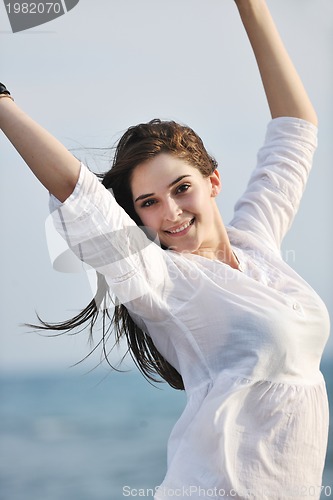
(249, 6)
(4, 92)
(6, 95)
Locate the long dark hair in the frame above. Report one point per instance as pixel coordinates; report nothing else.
(138, 144)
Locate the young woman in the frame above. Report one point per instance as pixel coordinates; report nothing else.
(211, 308)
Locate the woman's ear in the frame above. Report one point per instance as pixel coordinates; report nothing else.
(215, 183)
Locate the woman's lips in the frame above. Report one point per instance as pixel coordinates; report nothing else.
(181, 230)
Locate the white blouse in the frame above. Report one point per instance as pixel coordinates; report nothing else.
(248, 344)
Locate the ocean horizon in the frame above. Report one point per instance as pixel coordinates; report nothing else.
(68, 436)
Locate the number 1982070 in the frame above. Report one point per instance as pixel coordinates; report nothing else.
(34, 8)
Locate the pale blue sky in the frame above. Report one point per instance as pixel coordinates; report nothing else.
(107, 65)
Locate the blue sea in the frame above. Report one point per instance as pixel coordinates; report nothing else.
(90, 437)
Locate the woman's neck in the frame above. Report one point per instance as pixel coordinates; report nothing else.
(219, 249)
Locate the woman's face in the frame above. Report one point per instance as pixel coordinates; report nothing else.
(175, 200)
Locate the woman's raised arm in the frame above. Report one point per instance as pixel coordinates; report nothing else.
(283, 87)
(55, 167)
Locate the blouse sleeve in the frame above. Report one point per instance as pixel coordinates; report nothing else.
(271, 200)
(101, 234)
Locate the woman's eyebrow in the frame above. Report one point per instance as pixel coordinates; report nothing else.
(143, 196)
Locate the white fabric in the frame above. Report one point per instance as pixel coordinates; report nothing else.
(247, 344)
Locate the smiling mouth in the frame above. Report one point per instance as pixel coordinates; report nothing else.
(182, 228)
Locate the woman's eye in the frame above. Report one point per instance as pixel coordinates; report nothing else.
(182, 188)
(147, 203)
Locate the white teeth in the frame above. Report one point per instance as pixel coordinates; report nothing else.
(181, 228)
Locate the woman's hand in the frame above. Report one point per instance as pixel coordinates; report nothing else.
(283, 87)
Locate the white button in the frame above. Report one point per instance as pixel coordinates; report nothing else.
(295, 306)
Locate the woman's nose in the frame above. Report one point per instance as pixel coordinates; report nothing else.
(172, 210)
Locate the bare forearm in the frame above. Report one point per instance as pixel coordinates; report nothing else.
(283, 87)
(55, 167)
